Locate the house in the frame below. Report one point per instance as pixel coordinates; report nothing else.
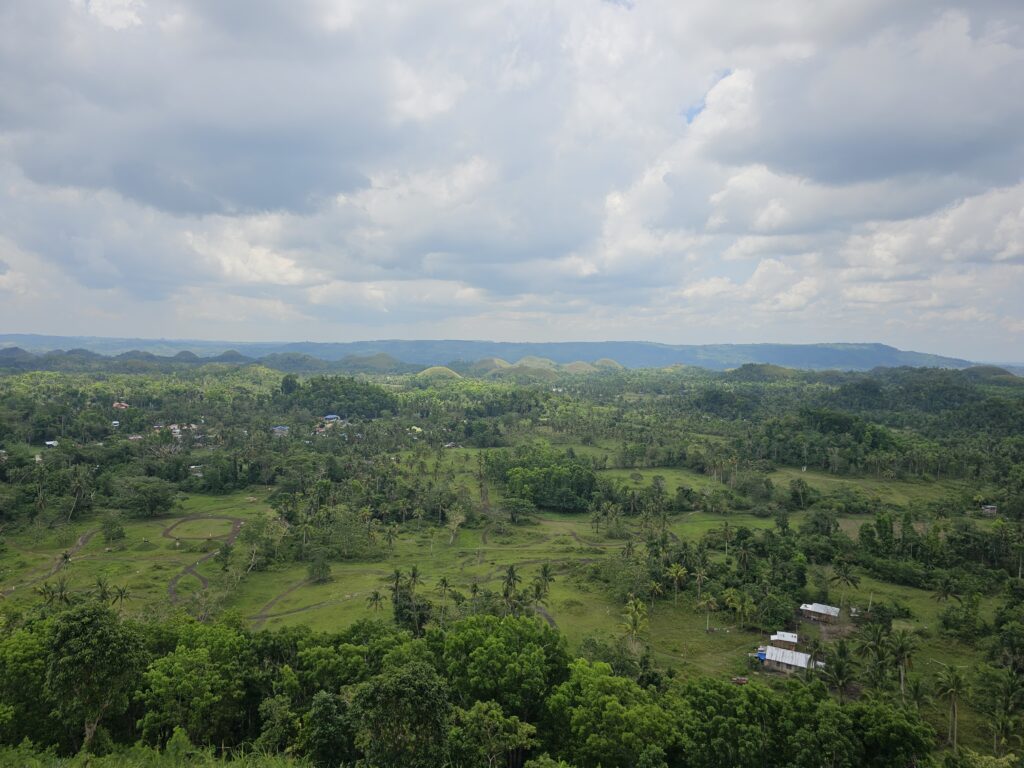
(51, 443)
(115, 424)
(195, 470)
(784, 660)
(3, 457)
(120, 406)
(134, 437)
(332, 417)
(820, 612)
(787, 640)
(279, 431)
(989, 510)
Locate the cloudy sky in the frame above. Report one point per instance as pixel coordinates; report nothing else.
(691, 172)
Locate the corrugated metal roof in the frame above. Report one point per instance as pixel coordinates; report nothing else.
(785, 637)
(829, 610)
(789, 658)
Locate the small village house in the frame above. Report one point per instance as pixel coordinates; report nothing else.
(786, 640)
(820, 612)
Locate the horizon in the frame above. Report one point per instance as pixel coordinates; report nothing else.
(608, 170)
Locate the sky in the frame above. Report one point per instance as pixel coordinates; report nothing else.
(530, 170)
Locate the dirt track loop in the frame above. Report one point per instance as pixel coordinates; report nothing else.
(228, 538)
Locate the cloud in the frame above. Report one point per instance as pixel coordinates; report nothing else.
(523, 170)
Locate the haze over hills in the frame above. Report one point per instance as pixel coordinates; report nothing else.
(406, 355)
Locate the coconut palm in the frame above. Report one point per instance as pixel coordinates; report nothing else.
(951, 686)
(840, 668)
(744, 555)
(918, 692)
(101, 589)
(47, 592)
(707, 603)
(901, 646)
(62, 593)
(443, 586)
(375, 601)
(511, 580)
(546, 576)
(655, 592)
(946, 588)
(700, 575)
(676, 574)
(635, 621)
(843, 575)
(120, 594)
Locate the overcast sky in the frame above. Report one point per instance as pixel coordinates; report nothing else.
(690, 172)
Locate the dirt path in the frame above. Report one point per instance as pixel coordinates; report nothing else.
(229, 538)
(543, 613)
(236, 523)
(57, 564)
(264, 612)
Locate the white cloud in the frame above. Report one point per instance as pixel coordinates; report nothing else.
(675, 171)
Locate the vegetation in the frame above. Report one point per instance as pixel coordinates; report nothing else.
(458, 570)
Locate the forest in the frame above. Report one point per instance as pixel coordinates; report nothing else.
(222, 563)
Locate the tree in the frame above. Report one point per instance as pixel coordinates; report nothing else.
(144, 496)
(484, 735)
(842, 574)
(840, 668)
(677, 574)
(951, 687)
(707, 603)
(700, 575)
(902, 646)
(327, 735)
(402, 717)
(375, 601)
(443, 586)
(319, 570)
(94, 664)
(517, 509)
(634, 621)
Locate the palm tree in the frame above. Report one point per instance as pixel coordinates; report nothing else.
(951, 686)
(731, 599)
(744, 553)
(677, 575)
(511, 580)
(707, 604)
(902, 645)
(842, 574)
(61, 593)
(840, 668)
(101, 589)
(728, 534)
(121, 593)
(538, 592)
(918, 692)
(816, 652)
(396, 582)
(635, 621)
(414, 580)
(375, 601)
(946, 588)
(656, 591)
(47, 592)
(546, 576)
(443, 585)
(700, 576)
(390, 536)
(872, 641)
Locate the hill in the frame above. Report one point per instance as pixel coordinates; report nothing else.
(396, 355)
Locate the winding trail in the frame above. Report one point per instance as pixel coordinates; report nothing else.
(190, 570)
(76, 547)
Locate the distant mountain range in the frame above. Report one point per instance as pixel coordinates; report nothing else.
(29, 351)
